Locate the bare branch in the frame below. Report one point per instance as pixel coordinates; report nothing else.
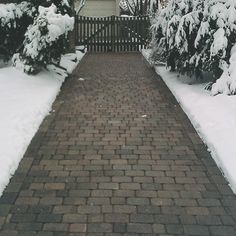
(81, 5)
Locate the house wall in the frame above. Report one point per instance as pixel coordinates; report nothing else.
(99, 8)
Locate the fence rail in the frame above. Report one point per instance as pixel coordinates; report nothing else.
(114, 33)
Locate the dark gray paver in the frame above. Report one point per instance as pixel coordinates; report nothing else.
(117, 157)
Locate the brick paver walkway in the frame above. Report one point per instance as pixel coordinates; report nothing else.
(117, 157)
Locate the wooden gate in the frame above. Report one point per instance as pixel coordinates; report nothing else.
(112, 33)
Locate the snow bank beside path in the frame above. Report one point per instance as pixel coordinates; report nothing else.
(24, 102)
(212, 116)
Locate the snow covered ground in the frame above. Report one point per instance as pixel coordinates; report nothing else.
(24, 102)
(214, 118)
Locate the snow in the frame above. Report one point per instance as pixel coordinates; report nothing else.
(220, 42)
(7, 13)
(134, 6)
(212, 116)
(195, 37)
(57, 25)
(65, 3)
(10, 12)
(226, 84)
(222, 14)
(70, 61)
(203, 30)
(25, 101)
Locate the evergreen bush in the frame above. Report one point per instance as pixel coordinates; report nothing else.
(43, 42)
(40, 27)
(195, 36)
(14, 21)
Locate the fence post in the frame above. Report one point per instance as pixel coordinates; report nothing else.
(113, 33)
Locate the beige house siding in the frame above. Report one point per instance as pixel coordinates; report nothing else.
(99, 8)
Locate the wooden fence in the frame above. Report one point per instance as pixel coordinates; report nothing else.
(114, 33)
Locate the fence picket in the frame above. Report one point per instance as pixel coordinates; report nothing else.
(113, 33)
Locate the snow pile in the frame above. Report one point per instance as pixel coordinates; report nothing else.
(41, 38)
(24, 102)
(69, 61)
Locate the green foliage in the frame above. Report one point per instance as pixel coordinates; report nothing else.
(138, 7)
(195, 36)
(44, 39)
(24, 22)
(63, 6)
(14, 21)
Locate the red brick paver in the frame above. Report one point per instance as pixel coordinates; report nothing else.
(117, 157)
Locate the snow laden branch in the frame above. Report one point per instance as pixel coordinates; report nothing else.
(43, 40)
(81, 6)
(14, 20)
(139, 7)
(17, 18)
(195, 37)
(226, 84)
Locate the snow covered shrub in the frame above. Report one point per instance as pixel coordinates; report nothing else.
(226, 84)
(195, 36)
(20, 23)
(159, 33)
(216, 36)
(63, 6)
(168, 37)
(138, 7)
(185, 38)
(14, 20)
(43, 42)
